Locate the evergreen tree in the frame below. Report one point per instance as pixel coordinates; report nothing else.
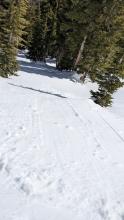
(43, 31)
(93, 45)
(64, 26)
(13, 23)
(31, 16)
(109, 67)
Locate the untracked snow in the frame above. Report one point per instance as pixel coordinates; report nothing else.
(61, 155)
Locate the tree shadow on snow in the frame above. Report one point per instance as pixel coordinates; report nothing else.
(44, 70)
(38, 90)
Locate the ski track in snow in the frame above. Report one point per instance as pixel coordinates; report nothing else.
(59, 152)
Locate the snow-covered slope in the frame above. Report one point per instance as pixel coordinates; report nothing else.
(61, 156)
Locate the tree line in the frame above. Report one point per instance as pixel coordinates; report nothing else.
(86, 36)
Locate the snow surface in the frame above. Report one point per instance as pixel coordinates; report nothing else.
(61, 155)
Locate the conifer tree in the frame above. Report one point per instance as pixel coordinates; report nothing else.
(30, 18)
(94, 33)
(64, 53)
(109, 67)
(13, 23)
(43, 31)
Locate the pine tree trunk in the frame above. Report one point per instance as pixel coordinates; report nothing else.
(121, 59)
(80, 51)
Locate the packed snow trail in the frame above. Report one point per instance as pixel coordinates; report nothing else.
(61, 156)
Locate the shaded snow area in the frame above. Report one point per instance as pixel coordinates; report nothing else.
(61, 155)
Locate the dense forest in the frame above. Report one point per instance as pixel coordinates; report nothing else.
(86, 36)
